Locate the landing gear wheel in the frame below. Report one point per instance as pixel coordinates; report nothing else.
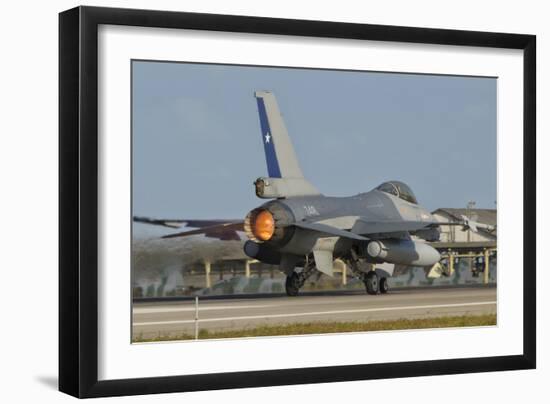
(384, 287)
(292, 284)
(371, 283)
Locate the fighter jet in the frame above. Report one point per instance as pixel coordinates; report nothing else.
(300, 227)
(303, 231)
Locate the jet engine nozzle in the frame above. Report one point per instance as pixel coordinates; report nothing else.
(259, 225)
(271, 223)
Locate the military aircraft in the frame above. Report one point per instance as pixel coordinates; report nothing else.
(303, 231)
(302, 227)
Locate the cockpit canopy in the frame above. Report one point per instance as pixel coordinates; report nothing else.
(399, 189)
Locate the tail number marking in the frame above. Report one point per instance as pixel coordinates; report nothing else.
(311, 210)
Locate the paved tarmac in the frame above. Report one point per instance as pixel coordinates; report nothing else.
(151, 319)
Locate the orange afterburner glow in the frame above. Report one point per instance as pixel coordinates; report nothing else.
(264, 225)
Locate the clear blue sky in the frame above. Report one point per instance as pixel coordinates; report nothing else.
(197, 147)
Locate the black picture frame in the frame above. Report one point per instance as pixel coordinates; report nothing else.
(78, 200)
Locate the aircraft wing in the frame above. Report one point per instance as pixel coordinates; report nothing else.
(366, 227)
(177, 223)
(330, 230)
(223, 231)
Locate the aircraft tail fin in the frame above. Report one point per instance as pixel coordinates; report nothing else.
(279, 154)
(285, 178)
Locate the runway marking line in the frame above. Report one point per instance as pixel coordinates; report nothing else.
(316, 313)
(144, 310)
(209, 306)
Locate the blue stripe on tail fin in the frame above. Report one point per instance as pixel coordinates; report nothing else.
(273, 169)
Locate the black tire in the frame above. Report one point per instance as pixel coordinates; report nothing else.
(292, 284)
(371, 283)
(384, 287)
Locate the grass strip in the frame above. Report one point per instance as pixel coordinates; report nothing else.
(332, 327)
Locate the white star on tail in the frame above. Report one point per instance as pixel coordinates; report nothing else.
(267, 137)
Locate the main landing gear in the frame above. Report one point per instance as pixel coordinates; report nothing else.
(295, 280)
(383, 287)
(371, 283)
(374, 284)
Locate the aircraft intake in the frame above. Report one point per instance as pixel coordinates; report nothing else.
(404, 252)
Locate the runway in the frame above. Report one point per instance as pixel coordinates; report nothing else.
(151, 319)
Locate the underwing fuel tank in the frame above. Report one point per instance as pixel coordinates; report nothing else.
(404, 252)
